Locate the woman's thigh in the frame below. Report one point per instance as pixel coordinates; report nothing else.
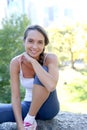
(51, 106)
(7, 114)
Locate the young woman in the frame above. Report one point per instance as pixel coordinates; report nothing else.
(37, 72)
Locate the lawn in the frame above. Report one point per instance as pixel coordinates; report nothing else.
(72, 90)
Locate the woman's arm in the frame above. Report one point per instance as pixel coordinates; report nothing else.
(48, 79)
(15, 91)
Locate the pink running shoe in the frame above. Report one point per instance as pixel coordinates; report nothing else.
(29, 126)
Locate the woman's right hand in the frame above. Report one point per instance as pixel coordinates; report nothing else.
(21, 127)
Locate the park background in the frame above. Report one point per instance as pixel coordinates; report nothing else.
(66, 25)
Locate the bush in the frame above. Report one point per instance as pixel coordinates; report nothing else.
(78, 89)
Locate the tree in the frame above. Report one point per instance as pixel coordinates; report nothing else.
(11, 36)
(70, 42)
(64, 41)
(56, 42)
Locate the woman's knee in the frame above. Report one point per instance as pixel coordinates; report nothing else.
(36, 79)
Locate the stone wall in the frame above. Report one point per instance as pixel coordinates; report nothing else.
(63, 121)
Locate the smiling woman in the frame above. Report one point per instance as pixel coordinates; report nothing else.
(37, 71)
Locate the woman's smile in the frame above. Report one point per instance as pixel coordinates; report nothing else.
(34, 52)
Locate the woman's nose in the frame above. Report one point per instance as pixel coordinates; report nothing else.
(35, 45)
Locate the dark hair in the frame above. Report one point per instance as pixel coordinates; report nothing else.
(43, 32)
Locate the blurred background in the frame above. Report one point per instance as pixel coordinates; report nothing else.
(66, 24)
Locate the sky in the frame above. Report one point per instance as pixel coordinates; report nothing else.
(79, 6)
(2, 9)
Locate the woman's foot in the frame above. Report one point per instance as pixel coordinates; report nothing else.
(29, 126)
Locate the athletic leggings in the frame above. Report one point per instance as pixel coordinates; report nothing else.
(47, 111)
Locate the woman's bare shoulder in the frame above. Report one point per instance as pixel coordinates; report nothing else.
(16, 60)
(51, 58)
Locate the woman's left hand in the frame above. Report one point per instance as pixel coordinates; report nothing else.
(28, 58)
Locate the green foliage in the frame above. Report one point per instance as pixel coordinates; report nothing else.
(78, 89)
(22, 92)
(5, 93)
(73, 93)
(11, 44)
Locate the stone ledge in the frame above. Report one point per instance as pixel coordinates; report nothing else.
(63, 121)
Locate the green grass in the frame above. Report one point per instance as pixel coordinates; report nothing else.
(73, 94)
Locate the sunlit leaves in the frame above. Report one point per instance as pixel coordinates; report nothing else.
(11, 44)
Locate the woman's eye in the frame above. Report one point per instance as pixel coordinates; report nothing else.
(30, 41)
(40, 42)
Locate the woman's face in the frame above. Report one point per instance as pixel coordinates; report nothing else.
(34, 43)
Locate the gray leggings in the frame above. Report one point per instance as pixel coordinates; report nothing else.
(47, 111)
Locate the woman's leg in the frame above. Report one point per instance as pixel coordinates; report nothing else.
(25, 108)
(50, 108)
(6, 111)
(40, 96)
